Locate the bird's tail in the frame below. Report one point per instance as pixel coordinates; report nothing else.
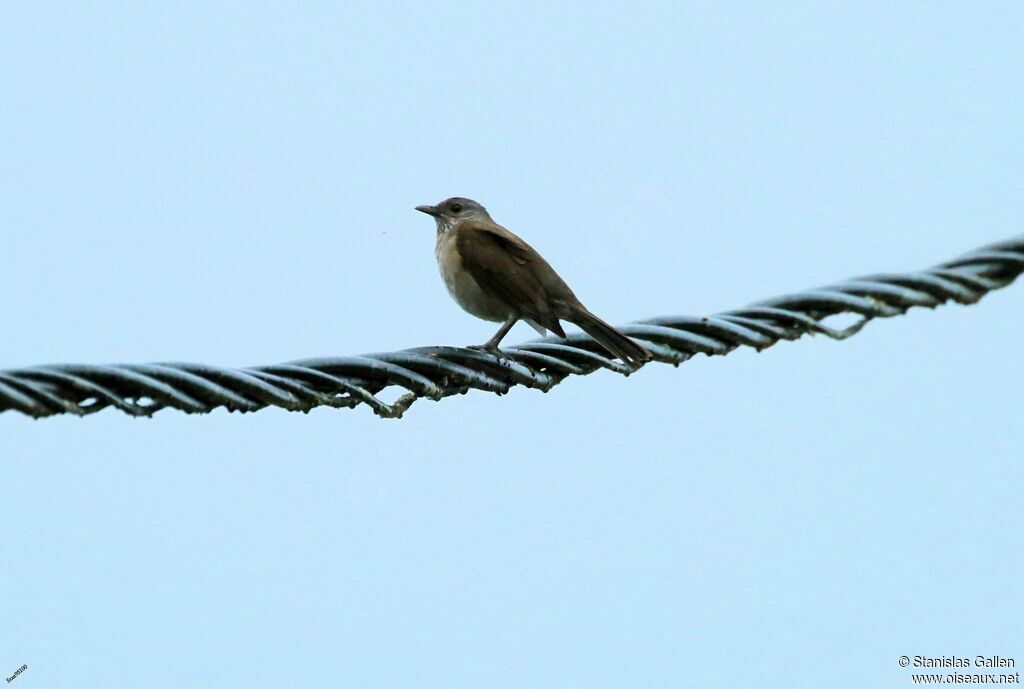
(632, 354)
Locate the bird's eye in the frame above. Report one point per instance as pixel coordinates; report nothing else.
(456, 208)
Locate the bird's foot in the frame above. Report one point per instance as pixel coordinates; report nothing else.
(487, 347)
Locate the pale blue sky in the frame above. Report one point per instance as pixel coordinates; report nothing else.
(234, 183)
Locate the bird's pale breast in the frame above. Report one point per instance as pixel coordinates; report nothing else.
(463, 287)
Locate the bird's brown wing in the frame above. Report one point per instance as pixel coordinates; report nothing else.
(506, 266)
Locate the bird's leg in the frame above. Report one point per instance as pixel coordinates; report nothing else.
(492, 344)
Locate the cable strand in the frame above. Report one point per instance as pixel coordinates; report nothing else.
(441, 371)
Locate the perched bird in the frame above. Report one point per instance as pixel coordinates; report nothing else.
(496, 276)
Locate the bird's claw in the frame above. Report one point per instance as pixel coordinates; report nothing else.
(489, 348)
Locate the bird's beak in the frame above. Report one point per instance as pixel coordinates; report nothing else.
(429, 210)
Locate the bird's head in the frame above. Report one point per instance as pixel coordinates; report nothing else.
(451, 211)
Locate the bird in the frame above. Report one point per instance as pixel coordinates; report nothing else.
(496, 276)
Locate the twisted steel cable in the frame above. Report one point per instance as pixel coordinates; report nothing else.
(437, 372)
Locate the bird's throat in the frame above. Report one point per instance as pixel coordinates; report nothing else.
(444, 225)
